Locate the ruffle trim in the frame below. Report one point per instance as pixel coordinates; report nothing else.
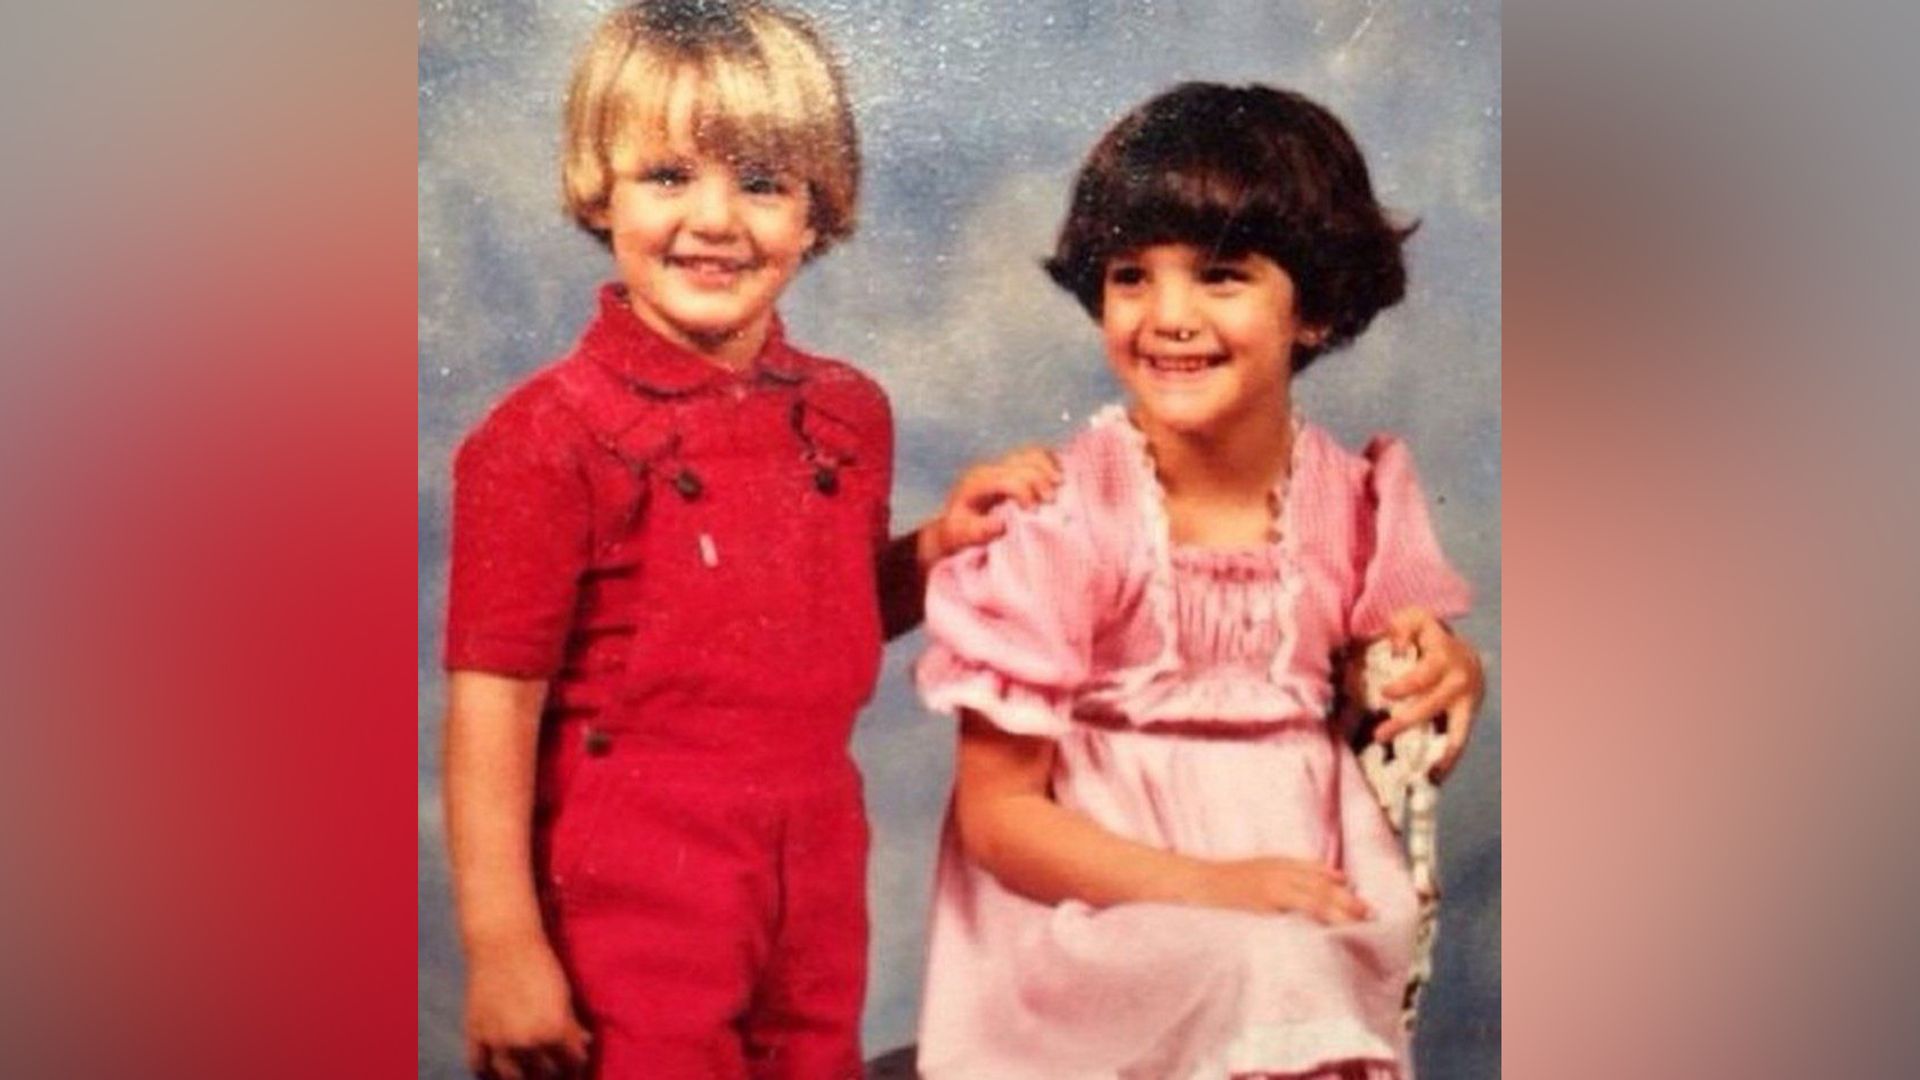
(949, 682)
(1311, 1049)
(1259, 564)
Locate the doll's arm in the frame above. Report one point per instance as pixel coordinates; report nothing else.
(1026, 476)
(1448, 680)
(1010, 825)
(519, 1013)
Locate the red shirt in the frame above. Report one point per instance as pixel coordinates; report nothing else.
(673, 544)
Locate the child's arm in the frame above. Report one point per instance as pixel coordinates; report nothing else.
(519, 1015)
(1011, 827)
(1448, 680)
(1026, 476)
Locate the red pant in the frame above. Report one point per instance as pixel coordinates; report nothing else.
(712, 914)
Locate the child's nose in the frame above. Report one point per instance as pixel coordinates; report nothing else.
(712, 208)
(1173, 312)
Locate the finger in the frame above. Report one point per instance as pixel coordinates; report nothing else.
(1403, 626)
(999, 485)
(1028, 488)
(979, 530)
(504, 1065)
(1431, 634)
(1041, 460)
(1045, 484)
(1316, 873)
(1048, 464)
(532, 1062)
(1027, 458)
(1459, 720)
(553, 1060)
(1340, 907)
(962, 529)
(1421, 676)
(1431, 701)
(1406, 716)
(577, 1042)
(978, 490)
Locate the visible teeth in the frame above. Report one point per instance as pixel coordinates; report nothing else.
(697, 263)
(1178, 363)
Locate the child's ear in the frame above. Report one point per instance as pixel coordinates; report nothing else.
(1311, 336)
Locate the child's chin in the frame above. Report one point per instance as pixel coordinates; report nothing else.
(1185, 418)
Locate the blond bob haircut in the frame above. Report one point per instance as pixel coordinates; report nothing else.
(769, 93)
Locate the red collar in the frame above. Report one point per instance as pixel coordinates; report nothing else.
(639, 355)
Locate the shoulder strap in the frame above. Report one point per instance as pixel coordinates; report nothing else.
(635, 427)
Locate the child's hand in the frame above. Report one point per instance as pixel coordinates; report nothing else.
(520, 1021)
(1027, 476)
(1267, 885)
(1447, 681)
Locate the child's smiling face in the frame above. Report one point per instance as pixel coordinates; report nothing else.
(1201, 343)
(704, 245)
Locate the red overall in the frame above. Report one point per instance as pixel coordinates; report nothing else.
(700, 839)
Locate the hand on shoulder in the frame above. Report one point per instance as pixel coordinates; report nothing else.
(1027, 476)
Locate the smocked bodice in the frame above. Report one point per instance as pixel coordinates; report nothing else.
(1228, 613)
(1085, 610)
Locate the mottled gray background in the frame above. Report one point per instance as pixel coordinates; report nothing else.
(973, 116)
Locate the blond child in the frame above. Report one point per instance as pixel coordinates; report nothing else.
(671, 578)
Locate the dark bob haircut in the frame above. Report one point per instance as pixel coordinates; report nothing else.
(1239, 171)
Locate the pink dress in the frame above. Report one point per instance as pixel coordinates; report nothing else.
(1186, 691)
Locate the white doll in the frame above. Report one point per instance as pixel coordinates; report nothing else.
(1400, 773)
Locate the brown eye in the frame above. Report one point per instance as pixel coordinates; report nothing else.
(1224, 274)
(760, 180)
(1125, 275)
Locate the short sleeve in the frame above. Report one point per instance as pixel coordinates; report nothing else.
(1399, 562)
(1011, 622)
(522, 522)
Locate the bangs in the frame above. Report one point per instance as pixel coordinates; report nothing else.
(742, 113)
(1166, 202)
(755, 106)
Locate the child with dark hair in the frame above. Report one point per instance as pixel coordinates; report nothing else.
(1161, 860)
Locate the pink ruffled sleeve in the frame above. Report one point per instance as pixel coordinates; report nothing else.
(1399, 562)
(1011, 622)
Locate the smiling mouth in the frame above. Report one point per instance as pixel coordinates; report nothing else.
(710, 267)
(1182, 365)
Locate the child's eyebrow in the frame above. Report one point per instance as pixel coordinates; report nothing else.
(763, 166)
